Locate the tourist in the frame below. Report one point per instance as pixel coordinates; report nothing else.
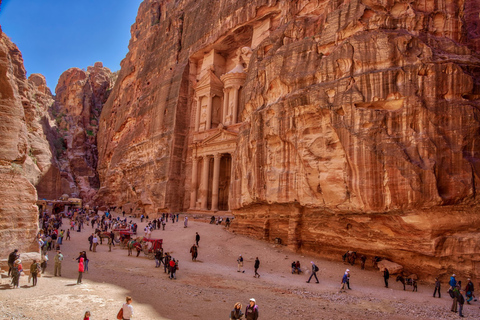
(44, 260)
(68, 235)
(178, 214)
(236, 313)
(461, 301)
(173, 269)
(127, 309)
(251, 312)
(386, 275)
(95, 243)
(90, 240)
(347, 273)
(16, 272)
(11, 260)
(166, 263)
(452, 282)
(197, 239)
(158, 258)
(294, 267)
(194, 252)
(437, 288)
(81, 269)
(240, 264)
(60, 237)
(363, 259)
(297, 266)
(185, 222)
(34, 269)
(469, 291)
(314, 272)
(344, 282)
(58, 264)
(256, 266)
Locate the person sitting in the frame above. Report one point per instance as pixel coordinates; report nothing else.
(294, 268)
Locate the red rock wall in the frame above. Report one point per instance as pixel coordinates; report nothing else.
(360, 123)
(18, 212)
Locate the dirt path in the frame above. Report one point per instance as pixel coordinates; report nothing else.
(209, 287)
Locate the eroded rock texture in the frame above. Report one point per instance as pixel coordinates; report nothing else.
(79, 99)
(22, 153)
(354, 125)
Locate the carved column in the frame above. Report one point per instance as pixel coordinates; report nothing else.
(216, 180)
(197, 113)
(209, 111)
(204, 186)
(225, 105)
(235, 104)
(193, 193)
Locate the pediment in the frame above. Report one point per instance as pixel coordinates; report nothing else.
(220, 137)
(210, 80)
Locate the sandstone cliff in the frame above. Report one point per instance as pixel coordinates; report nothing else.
(22, 153)
(356, 129)
(79, 99)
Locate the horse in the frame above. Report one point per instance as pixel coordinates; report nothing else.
(102, 235)
(408, 281)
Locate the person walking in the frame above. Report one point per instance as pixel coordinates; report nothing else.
(437, 288)
(90, 240)
(256, 266)
(185, 222)
(251, 312)
(386, 276)
(314, 272)
(347, 273)
(240, 264)
(58, 264)
(461, 301)
(197, 238)
(469, 291)
(34, 270)
(343, 282)
(127, 309)
(95, 243)
(81, 269)
(11, 260)
(194, 252)
(236, 313)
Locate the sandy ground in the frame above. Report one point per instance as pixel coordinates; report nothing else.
(209, 287)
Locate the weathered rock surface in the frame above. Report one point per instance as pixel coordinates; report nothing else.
(358, 123)
(79, 99)
(18, 212)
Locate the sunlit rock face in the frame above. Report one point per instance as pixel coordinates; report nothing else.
(332, 125)
(23, 149)
(79, 99)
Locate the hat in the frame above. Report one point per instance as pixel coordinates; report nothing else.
(347, 270)
(311, 262)
(253, 300)
(453, 275)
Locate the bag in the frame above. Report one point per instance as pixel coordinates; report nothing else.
(120, 314)
(451, 293)
(316, 268)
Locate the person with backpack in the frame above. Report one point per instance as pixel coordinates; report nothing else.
(251, 313)
(34, 270)
(314, 272)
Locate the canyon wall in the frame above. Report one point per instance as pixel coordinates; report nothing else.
(356, 129)
(79, 98)
(24, 152)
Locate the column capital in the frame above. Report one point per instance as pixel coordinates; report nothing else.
(236, 86)
(217, 155)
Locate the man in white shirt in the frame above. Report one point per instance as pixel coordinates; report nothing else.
(128, 309)
(95, 243)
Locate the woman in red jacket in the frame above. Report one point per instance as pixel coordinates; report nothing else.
(80, 271)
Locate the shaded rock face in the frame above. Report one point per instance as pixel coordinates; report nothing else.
(21, 143)
(356, 128)
(79, 99)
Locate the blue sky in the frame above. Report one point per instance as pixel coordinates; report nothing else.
(55, 35)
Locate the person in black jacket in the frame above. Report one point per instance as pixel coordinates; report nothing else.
(256, 266)
(437, 288)
(386, 275)
(11, 259)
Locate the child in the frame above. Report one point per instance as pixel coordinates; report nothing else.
(87, 315)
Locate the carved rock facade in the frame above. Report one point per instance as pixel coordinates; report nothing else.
(333, 125)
